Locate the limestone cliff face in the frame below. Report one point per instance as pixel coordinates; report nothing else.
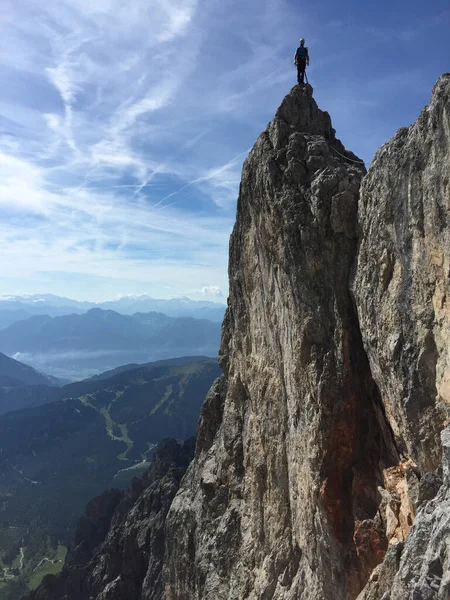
(282, 502)
(402, 278)
(317, 465)
(402, 291)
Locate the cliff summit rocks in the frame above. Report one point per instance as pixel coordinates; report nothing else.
(317, 471)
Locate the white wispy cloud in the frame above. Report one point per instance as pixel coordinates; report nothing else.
(123, 128)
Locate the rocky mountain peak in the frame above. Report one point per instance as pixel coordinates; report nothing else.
(299, 109)
(319, 466)
(303, 439)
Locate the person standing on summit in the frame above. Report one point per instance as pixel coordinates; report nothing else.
(301, 59)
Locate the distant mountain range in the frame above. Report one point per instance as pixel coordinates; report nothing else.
(17, 308)
(100, 434)
(76, 346)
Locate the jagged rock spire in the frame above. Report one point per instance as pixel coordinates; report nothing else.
(289, 483)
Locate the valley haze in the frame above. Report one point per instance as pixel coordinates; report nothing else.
(73, 340)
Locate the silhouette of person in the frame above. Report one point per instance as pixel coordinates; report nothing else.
(301, 59)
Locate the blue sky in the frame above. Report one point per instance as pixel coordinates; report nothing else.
(124, 125)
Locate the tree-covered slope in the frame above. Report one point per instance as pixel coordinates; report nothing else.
(14, 371)
(56, 457)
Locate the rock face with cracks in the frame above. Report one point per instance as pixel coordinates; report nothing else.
(420, 568)
(317, 471)
(284, 502)
(402, 292)
(402, 278)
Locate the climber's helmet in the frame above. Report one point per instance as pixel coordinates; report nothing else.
(302, 42)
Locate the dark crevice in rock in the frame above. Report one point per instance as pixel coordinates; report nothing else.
(361, 445)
